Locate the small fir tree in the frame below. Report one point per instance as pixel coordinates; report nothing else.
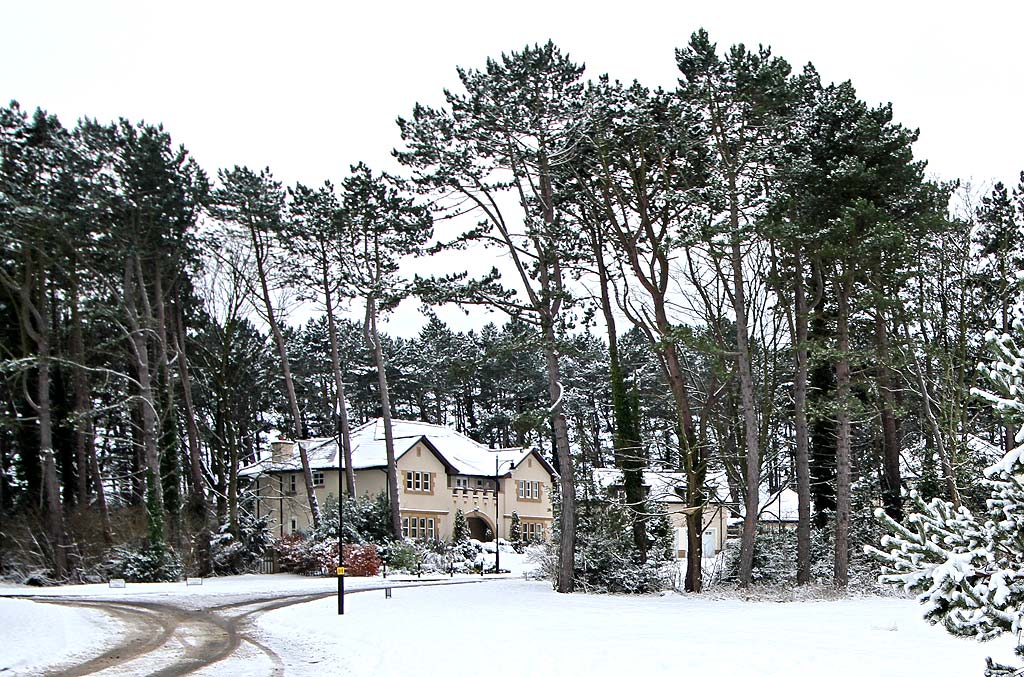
(460, 528)
(515, 532)
(969, 572)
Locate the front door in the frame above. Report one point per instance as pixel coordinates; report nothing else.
(709, 542)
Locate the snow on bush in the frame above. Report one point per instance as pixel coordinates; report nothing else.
(437, 556)
(606, 557)
(231, 554)
(300, 555)
(144, 564)
(366, 520)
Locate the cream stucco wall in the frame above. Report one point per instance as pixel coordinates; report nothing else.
(277, 501)
(715, 521)
(440, 502)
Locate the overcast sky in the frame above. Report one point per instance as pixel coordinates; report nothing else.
(309, 88)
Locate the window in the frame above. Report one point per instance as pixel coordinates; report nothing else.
(291, 484)
(529, 490)
(416, 481)
(461, 483)
(318, 478)
(293, 524)
(418, 527)
(533, 531)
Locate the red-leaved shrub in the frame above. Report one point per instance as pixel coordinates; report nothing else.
(300, 556)
(361, 560)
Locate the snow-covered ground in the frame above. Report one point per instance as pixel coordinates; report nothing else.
(522, 627)
(35, 634)
(512, 627)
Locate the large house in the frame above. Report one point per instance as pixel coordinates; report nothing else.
(440, 471)
(668, 491)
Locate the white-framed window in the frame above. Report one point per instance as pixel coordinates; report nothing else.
(418, 527)
(533, 531)
(529, 489)
(318, 478)
(293, 525)
(461, 482)
(417, 481)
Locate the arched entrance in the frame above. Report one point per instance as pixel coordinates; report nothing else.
(479, 528)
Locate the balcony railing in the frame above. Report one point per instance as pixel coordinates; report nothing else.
(468, 492)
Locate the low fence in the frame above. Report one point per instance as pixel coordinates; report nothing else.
(268, 564)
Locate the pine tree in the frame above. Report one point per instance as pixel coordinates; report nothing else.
(382, 224)
(508, 133)
(252, 204)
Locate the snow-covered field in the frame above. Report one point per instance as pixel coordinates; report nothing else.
(521, 627)
(33, 635)
(516, 627)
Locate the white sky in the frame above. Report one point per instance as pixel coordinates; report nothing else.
(309, 88)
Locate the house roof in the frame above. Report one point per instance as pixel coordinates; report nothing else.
(460, 454)
(662, 486)
(779, 507)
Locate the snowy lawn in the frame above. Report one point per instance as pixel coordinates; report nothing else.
(520, 627)
(33, 634)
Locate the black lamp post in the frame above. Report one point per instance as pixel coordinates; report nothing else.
(497, 545)
(341, 527)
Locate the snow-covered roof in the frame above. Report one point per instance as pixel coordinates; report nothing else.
(462, 454)
(779, 507)
(662, 486)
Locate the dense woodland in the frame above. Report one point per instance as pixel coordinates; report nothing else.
(749, 275)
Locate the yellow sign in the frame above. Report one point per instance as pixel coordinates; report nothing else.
(341, 571)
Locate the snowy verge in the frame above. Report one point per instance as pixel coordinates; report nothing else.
(500, 624)
(36, 635)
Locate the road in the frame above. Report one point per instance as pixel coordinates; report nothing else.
(180, 637)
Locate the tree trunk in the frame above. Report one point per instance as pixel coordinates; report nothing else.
(820, 393)
(170, 466)
(198, 506)
(842, 538)
(289, 383)
(629, 455)
(83, 410)
(339, 384)
(233, 457)
(692, 461)
(891, 482)
(803, 477)
(195, 460)
(151, 452)
(566, 482)
(85, 438)
(373, 343)
(51, 489)
(752, 451)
